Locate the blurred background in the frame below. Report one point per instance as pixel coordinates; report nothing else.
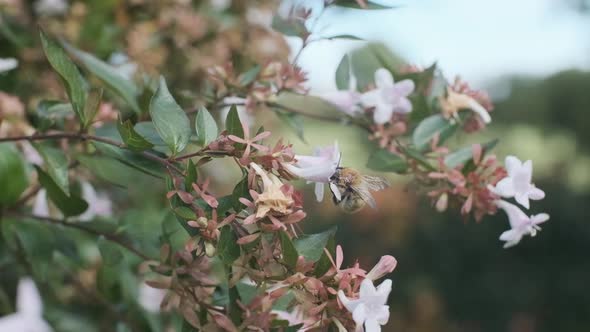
(532, 56)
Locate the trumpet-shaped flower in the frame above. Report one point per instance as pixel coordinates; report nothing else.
(454, 102)
(385, 265)
(272, 198)
(317, 168)
(520, 223)
(518, 182)
(370, 308)
(29, 314)
(389, 97)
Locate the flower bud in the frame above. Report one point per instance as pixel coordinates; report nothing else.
(202, 222)
(210, 249)
(442, 202)
(385, 265)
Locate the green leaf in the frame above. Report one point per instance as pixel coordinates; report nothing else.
(429, 128)
(169, 119)
(289, 27)
(464, 155)
(366, 60)
(293, 120)
(343, 74)
(56, 165)
(385, 161)
(111, 255)
(51, 112)
(185, 213)
(92, 105)
(290, 254)
(131, 159)
(250, 75)
(206, 127)
(233, 124)
(109, 75)
(191, 175)
(324, 263)
(309, 104)
(69, 206)
(67, 70)
(132, 138)
(13, 178)
(312, 246)
(147, 130)
(227, 248)
(349, 37)
(240, 190)
(109, 169)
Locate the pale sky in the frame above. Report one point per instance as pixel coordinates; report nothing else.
(479, 39)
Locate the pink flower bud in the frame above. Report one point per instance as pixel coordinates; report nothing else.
(385, 265)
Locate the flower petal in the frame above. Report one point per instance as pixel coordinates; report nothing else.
(522, 199)
(371, 98)
(539, 218)
(505, 187)
(383, 78)
(512, 164)
(515, 215)
(382, 113)
(527, 169)
(382, 315)
(479, 110)
(367, 289)
(359, 314)
(536, 193)
(403, 106)
(383, 291)
(319, 191)
(371, 325)
(28, 300)
(405, 87)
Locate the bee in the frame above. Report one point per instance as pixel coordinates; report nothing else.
(351, 189)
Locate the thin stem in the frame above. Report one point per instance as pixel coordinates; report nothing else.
(111, 237)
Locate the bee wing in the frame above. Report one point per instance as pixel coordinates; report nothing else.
(375, 183)
(366, 196)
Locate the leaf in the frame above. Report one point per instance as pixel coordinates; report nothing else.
(289, 27)
(191, 175)
(349, 37)
(52, 111)
(429, 128)
(133, 140)
(111, 255)
(185, 213)
(56, 165)
(385, 161)
(312, 246)
(240, 190)
(169, 119)
(463, 155)
(324, 263)
(109, 169)
(343, 74)
(206, 127)
(69, 206)
(92, 105)
(290, 254)
(109, 75)
(147, 130)
(309, 104)
(233, 124)
(67, 70)
(294, 121)
(131, 159)
(366, 60)
(227, 248)
(250, 75)
(13, 179)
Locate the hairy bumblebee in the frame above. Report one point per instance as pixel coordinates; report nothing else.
(351, 190)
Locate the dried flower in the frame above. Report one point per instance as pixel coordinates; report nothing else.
(454, 102)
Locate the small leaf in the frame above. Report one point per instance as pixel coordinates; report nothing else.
(132, 138)
(227, 248)
(191, 175)
(111, 255)
(324, 263)
(250, 76)
(67, 70)
(465, 154)
(343, 74)
(289, 27)
(355, 4)
(169, 119)
(92, 105)
(147, 130)
(429, 128)
(312, 246)
(290, 254)
(131, 159)
(349, 37)
(109, 169)
(69, 206)
(385, 161)
(206, 127)
(13, 179)
(56, 165)
(109, 75)
(233, 124)
(185, 213)
(293, 120)
(240, 190)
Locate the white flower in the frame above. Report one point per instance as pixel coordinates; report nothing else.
(99, 205)
(388, 97)
(29, 311)
(150, 298)
(369, 309)
(7, 64)
(318, 168)
(518, 182)
(520, 223)
(51, 7)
